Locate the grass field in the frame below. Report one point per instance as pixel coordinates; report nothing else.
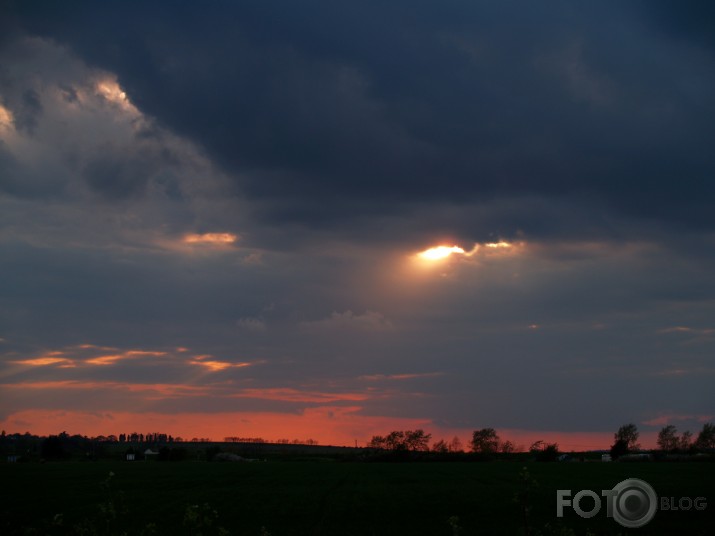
(332, 498)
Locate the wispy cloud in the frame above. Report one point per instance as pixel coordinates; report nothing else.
(214, 365)
(112, 359)
(298, 395)
(148, 389)
(399, 377)
(252, 324)
(347, 320)
(45, 361)
(670, 418)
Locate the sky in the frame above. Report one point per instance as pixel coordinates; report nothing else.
(219, 218)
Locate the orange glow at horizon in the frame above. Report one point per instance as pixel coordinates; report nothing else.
(329, 425)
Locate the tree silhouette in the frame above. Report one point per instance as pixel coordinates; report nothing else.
(417, 440)
(625, 441)
(537, 446)
(485, 441)
(377, 442)
(399, 440)
(507, 447)
(686, 440)
(706, 437)
(668, 438)
(395, 440)
(455, 445)
(628, 433)
(440, 446)
(619, 448)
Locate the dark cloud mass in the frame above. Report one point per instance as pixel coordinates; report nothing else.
(249, 182)
(401, 102)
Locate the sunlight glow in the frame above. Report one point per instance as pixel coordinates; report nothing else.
(211, 238)
(440, 252)
(6, 119)
(111, 91)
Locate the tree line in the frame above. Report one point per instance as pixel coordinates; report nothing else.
(483, 441)
(487, 441)
(668, 440)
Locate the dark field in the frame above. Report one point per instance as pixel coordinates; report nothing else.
(333, 498)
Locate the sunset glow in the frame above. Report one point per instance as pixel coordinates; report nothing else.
(5, 117)
(212, 230)
(215, 365)
(44, 361)
(329, 425)
(211, 238)
(498, 245)
(111, 91)
(440, 252)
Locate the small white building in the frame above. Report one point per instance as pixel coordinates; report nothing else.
(605, 457)
(131, 457)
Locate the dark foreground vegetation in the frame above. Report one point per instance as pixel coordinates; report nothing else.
(324, 496)
(152, 484)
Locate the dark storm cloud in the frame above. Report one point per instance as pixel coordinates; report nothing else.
(30, 109)
(691, 20)
(373, 108)
(307, 150)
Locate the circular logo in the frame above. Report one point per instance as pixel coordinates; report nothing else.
(635, 504)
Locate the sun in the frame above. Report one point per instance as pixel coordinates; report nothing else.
(440, 252)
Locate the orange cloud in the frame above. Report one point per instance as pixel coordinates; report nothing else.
(210, 238)
(214, 365)
(6, 118)
(63, 362)
(163, 389)
(130, 354)
(95, 347)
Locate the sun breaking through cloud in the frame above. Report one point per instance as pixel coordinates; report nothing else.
(440, 252)
(366, 236)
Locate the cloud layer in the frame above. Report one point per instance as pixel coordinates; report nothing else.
(220, 211)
